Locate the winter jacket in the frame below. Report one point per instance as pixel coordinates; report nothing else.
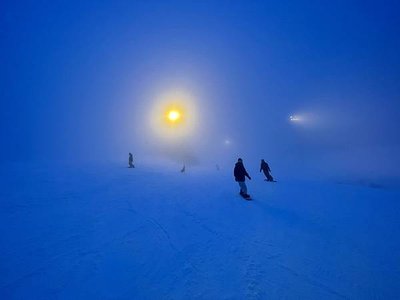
(240, 172)
(265, 167)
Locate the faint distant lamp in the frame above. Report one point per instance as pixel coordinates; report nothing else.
(294, 118)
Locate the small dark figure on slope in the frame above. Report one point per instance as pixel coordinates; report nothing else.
(130, 161)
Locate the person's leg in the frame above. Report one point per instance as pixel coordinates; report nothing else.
(243, 187)
(241, 191)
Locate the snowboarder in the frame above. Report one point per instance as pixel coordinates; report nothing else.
(240, 174)
(265, 168)
(183, 169)
(130, 161)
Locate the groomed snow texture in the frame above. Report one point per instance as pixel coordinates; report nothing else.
(110, 232)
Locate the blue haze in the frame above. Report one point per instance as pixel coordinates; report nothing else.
(76, 78)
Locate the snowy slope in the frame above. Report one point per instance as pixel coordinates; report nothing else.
(109, 232)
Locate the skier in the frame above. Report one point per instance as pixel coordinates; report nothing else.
(265, 168)
(130, 161)
(240, 174)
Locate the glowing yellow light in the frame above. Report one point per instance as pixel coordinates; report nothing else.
(174, 115)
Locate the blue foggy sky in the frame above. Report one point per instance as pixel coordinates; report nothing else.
(78, 76)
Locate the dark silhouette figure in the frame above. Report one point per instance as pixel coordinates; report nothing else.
(183, 169)
(265, 168)
(130, 161)
(240, 174)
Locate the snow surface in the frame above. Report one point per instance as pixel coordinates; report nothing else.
(110, 232)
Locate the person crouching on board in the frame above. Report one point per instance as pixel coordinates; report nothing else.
(240, 174)
(265, 168)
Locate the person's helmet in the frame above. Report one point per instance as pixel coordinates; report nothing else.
(240, 160)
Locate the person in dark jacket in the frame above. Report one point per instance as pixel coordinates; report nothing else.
(130, 161)
(240, 174)
(265, 168)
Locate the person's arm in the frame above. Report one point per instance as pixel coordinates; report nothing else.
(247, 174)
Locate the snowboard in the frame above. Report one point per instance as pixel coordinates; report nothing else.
(270, 180)
(246, 198)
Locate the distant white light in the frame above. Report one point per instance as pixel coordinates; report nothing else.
(227, 142)
(294, 118)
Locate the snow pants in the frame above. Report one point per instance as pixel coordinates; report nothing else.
(269, 177)
(243, 187)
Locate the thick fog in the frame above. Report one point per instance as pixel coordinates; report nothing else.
(313, 88)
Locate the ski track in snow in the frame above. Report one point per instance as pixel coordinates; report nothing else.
(123, 234)
(162, 229)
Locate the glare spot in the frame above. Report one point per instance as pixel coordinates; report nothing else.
(173, 115)
(294, 118)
